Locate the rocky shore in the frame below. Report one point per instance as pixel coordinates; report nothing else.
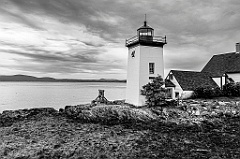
(192, 129)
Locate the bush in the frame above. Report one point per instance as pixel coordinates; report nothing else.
(154, 92)
(207, 92)
(232, 89)
(229, 90)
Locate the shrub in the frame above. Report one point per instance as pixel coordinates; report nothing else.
(207, 92)
(154, 92)
(232, 89)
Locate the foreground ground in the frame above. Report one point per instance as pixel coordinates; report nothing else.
(52, 135)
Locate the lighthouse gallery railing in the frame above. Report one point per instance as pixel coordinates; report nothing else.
(161, 39)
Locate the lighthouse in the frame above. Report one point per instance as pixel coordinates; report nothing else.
(145, 62)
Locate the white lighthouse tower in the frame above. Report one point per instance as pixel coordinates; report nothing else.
(145, 61)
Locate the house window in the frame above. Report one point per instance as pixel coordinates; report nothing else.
(176, 94)
(169, 93)
(170, 77)
(151, 68)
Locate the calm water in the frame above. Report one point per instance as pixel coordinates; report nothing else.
(19, 95)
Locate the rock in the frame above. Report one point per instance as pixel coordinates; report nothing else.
(15, 113)
(203, 150)
(213, 113)
(8, 117)
(197, 112)
(183, 107)
(205, 108)
(187, 141)
(234, 112)
(221, 103)
(194, 102)
(237, 103)
(204, 113)
(118, 102)
(61, 110)
(195, 105)
(74, 111)
(215, 157)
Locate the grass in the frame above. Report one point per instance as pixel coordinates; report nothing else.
(114, 131)
(55, 137)
(59, 137)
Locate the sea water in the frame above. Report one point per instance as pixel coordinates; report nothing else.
(20, 95)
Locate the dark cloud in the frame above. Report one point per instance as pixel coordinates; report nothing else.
(92, 44)
(173, 17)
(48, 56)
(97, 16)
(58, 62)
(22, 19)
(195, 29)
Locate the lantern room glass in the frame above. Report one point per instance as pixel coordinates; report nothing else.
(145, 32)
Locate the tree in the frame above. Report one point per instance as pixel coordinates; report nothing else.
(231, 89)
(207, 92)
(154, 92)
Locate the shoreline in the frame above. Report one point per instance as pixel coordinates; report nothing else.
(25, 78)
(203, 109)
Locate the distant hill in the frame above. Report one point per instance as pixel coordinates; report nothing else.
(24, 78)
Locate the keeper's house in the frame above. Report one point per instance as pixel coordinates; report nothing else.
(221, 69)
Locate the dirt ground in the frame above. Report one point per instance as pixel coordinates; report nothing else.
(56, 136)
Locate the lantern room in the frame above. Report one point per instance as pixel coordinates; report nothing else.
(145, 31)
(145, 36)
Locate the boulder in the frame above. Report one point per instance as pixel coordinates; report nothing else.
(8, 117)
(74, 111)
(221, 103)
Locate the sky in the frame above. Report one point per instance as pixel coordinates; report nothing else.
(85, 39)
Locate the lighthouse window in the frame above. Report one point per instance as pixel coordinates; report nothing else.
(133, 54)
(151, 68)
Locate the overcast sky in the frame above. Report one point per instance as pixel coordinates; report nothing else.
(86, 38)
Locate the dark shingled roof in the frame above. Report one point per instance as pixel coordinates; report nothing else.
(145, 26)
(223, 63)
(189, 80)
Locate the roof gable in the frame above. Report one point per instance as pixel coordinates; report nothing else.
(223, 63)
(169, 83)
(189, 80)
